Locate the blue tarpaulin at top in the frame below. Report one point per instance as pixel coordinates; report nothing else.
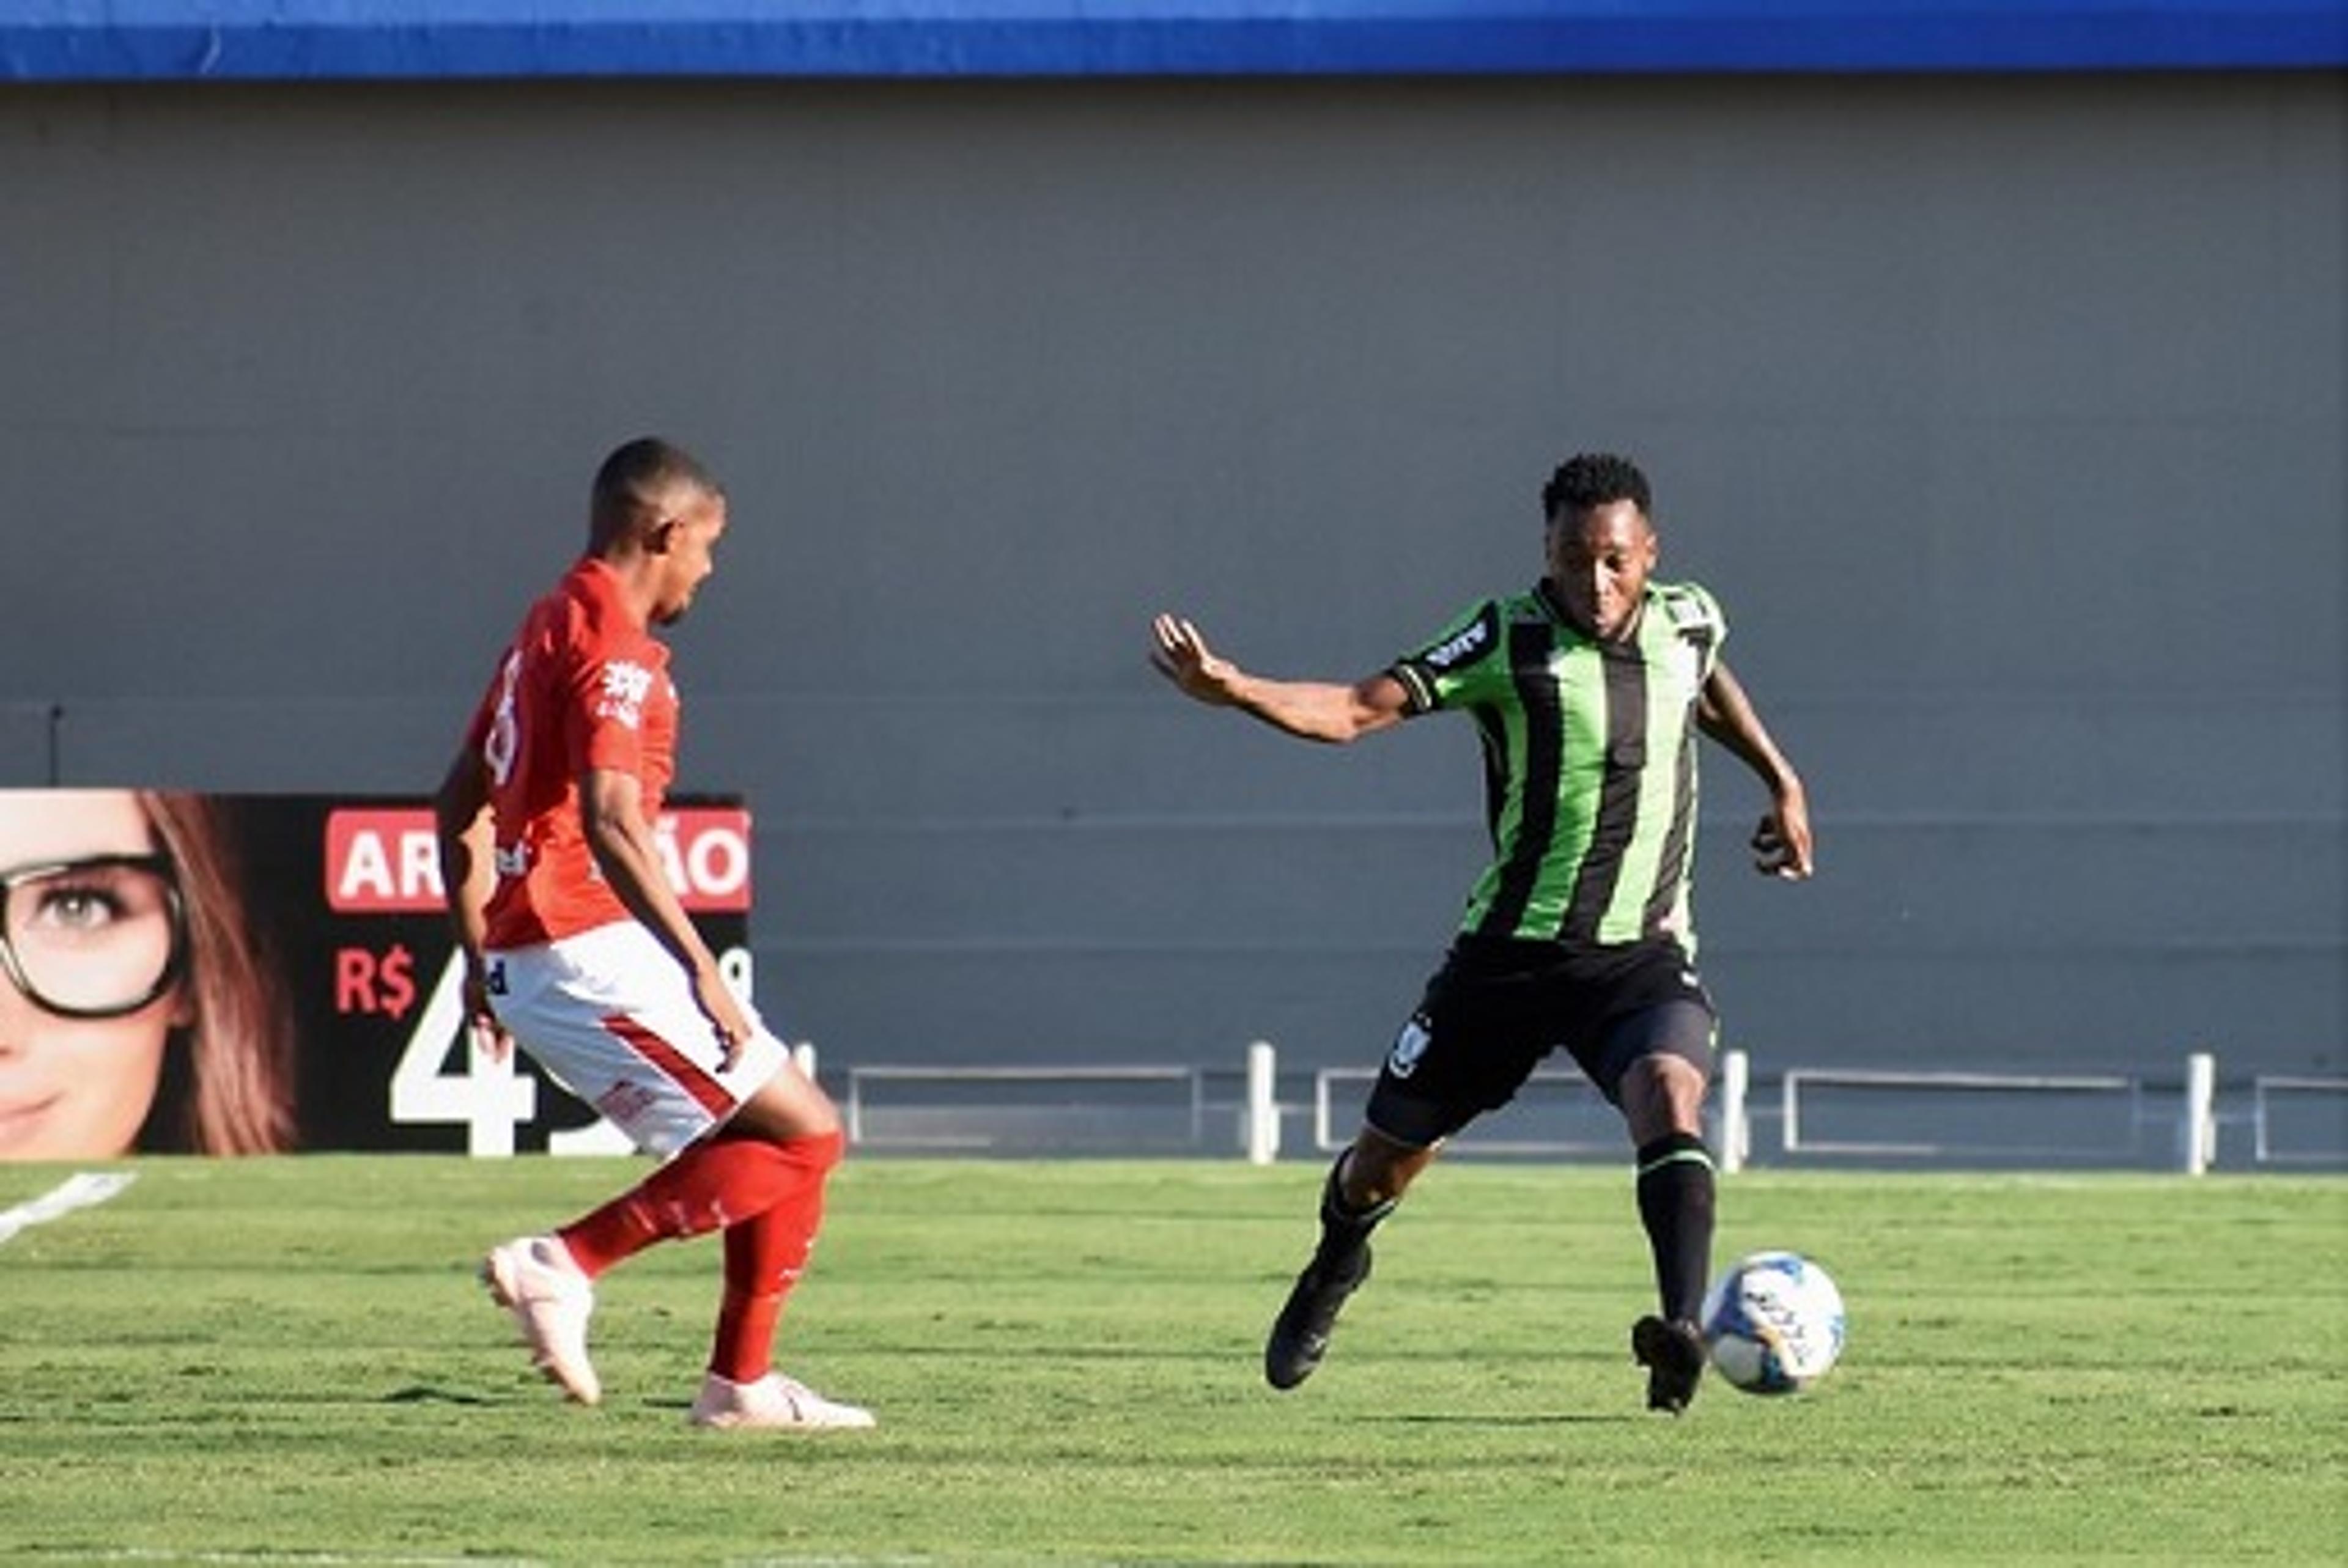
(163, 40)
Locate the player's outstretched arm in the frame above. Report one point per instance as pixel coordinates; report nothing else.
(1309, 709)
(1781, 844)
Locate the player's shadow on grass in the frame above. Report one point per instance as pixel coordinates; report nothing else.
(1461, 1419)
(424, 1394)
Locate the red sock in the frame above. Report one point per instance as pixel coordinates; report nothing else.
(763, 1257)
(707, 1186)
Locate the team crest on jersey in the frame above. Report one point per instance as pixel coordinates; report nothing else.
(1692, 619)
(1691, 667)
(625, 685)
(1408, 1047)
(1692, 616)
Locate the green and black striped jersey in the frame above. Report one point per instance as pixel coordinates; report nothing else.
(1589, 762)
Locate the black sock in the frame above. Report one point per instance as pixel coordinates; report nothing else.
(1675, 1204)
(1345, 1231)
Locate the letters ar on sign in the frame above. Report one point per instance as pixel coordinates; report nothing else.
(384, 860)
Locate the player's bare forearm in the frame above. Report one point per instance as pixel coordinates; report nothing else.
(467, 870)
(467, 830)
(1319, 711)
(1726, 714)
(622, 842)
(611, 808)
(1782, 844)
(462, 822)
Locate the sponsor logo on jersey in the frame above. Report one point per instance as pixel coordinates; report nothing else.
(1461, 648)
(625, 685)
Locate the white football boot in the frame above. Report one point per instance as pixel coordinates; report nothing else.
(773, 1400)
(533, 1278)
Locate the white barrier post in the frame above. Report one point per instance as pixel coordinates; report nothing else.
(1263, 1110)
(1736, 1123)
(2201, 1113)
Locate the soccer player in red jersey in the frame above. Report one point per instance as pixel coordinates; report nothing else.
(577, 947)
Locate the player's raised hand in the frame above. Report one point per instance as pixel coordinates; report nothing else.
(1182, 656)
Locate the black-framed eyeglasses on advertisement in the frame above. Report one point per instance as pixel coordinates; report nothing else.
(95, 937)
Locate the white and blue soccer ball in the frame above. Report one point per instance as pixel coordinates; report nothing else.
(1773, 1323)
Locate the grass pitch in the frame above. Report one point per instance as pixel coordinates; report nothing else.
(288, 1361)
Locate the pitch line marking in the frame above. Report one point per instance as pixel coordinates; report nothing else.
(77, 1191)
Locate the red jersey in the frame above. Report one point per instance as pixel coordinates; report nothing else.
(585, 685)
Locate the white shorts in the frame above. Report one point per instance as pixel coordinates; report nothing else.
(609, 1014)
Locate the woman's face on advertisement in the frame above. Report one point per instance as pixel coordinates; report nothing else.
(91, 926)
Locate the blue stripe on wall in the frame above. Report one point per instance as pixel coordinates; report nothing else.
(163, 40)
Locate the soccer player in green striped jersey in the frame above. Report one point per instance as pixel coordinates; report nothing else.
(1588, 690)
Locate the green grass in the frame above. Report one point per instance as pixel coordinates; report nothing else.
(288, 1360)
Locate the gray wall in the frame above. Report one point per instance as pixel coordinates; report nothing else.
(2004, 416)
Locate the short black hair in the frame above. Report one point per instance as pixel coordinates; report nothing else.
(1592, 479)
(639, 476)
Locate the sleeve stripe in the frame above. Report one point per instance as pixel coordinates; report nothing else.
(1416, 686)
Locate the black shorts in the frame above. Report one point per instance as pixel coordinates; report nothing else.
(1496, 1009)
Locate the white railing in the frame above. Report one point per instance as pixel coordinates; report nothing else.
(1589, 1126)
(978, 1115)
(2270, 1144)
(1797, 1081)
(1821, 1113)
(2055, 1098)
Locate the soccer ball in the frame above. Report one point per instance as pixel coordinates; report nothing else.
(1773, 1323)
